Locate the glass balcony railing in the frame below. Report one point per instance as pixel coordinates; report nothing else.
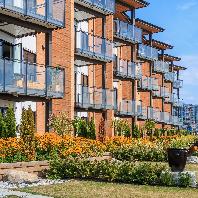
(19, 77)
(104, 6)
(94, 47)
(158, 92)
(92, 97)
(154, 114)
(127, 69)
(178, 84)
(144, 114)
(166, 117)
(127, 32)
(176, 121)
(169, 76)
(129, 108)
(51, 11)
(148, 83)
(161, 66)
(147, 52)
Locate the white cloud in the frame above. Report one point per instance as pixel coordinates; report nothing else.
(187, 6)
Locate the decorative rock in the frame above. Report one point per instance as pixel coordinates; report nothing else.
(192, 160)
(15, 176)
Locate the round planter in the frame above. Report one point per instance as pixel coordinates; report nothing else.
(177, 159)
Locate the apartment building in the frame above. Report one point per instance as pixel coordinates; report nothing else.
(189, 114)
(107, 63)
(25, 79)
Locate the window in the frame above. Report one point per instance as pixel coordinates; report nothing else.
(30, 58)
(84, 80)
(7, 51)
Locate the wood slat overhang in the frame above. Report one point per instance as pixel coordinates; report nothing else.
(169, 58)
(148, 27)
(158, 44)
(132, 4)
(178, 68)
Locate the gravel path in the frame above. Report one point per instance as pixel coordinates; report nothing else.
(7, 188)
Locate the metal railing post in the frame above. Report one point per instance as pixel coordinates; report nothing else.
(4, 75)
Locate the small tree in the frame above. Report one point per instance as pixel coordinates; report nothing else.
(149, 127)
(27, 133)
(121, 127)
(136, 132)
(3, 128)
(10, 123)
(61, 124)
(92, 129)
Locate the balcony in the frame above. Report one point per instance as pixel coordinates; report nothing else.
(93, 98)
(177, 84)
(128, 108)
(21, 78)
(127, 69)
(166, 117)
(147, 52)
(105, 7)
(154, 114)
(127, 32)
(148, 83)
(161, 67)
(93, 47)
(144, 114)
(48, 13)
(176, 121)
(169, 76)
(159, 92)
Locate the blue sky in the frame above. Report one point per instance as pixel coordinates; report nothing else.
(180, 19)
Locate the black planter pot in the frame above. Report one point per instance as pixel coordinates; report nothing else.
(177, 159)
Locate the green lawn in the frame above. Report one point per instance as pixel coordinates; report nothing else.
(89, 189)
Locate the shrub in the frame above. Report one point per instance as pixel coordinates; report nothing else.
(121, 128)
(84, 128)
(136, 132)
(10, 123)
(149, 127)
(3, 127)
(61, 124)
(27, 133)
(184, 180)
(166, 179)
(113, 171)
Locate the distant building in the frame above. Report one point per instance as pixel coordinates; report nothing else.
(189, 113)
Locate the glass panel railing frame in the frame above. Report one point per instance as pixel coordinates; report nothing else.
(50, 11)
(23, 78)
(93, 46)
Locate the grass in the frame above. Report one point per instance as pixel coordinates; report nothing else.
(90, 189)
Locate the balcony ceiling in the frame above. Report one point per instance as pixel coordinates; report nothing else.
(148, 27)
(15, 30)
(121, 16)
(80, 62)
(126, 5)
(81, 15)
